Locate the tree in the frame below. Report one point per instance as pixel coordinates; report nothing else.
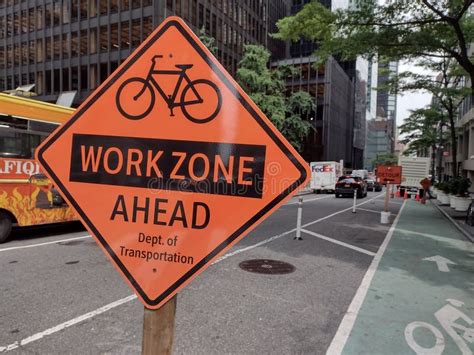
(447, 91)
(208, 41)
(422, 131)
(267, 89)
(385, 159)
(398, 30)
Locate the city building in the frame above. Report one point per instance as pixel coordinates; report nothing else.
(382, 129)
(380, 140)
(341, 91)
(72, 45)
(66, 45)
(465, 138)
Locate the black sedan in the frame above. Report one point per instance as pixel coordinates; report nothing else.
(370, 184)
(348, 185)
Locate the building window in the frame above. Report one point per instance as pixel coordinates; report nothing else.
(83, 41)
(83, 78)
(136, 30)
(147, 27)
(74, 10)
(103, 7)
(57, 11)
(93, 40)
(124, 34)
(114, 37)
(57, 47)
(65, 45)
(113, 6)
(84, 10)
(74, 78)
(74, 44)
(104, 38)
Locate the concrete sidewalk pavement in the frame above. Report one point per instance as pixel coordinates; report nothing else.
(417, 296)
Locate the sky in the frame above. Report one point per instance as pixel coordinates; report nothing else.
(411, 100)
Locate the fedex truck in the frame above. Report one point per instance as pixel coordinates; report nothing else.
(324, 175)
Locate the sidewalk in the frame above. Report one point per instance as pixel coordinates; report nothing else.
(459, 218)
(420, 299)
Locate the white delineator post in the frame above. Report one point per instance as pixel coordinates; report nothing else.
(298, 219)
(355, 202)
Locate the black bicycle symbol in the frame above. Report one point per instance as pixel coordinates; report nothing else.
(205, 107)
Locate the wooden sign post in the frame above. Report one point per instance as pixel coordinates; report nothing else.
(387, 197)
(158, 329)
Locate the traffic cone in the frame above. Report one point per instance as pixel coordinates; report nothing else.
(417, 198)
(398, 193)
(406, 195)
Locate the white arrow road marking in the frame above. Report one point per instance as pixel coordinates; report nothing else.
(441, 262)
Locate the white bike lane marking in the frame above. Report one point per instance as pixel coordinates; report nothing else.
(43, 244)
(347, 323)
(447, 317)
(441, 262)
(103, 309)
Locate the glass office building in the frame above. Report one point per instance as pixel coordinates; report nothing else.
(67, 45)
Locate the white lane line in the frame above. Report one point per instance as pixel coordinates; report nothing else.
(335, 241)
(46, 243)
(67, 324)
(339, 212)
(309, 199)
(345, 328)
(105, 308)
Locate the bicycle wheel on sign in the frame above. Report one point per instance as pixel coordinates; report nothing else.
(201, 101)
(135, 98)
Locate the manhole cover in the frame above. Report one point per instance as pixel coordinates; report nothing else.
(265, 266)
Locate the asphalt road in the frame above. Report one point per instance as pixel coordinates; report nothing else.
(60, 295)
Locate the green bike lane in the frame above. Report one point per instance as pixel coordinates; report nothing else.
(418, 294)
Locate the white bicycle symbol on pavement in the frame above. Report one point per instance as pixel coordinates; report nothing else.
(447, 317)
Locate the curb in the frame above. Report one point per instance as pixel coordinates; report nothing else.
(466, 234)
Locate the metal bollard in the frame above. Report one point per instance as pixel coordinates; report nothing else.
(298, 219)
(355, 202)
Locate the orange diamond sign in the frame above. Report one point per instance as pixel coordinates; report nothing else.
(169, 163)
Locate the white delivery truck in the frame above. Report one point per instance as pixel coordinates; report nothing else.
(363, 174)
(324, 175)
(414, 169)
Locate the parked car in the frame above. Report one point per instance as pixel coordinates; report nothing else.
(370, 184)
(377, 186)
(347, 184)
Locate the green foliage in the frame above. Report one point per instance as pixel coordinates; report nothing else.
(453, 186)
(385, 159)
(448, 94)
(463, 186)
(398, 30)
(420, 130)
(208, 41)
(458, 186)
(444, 186)
(266, 88)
